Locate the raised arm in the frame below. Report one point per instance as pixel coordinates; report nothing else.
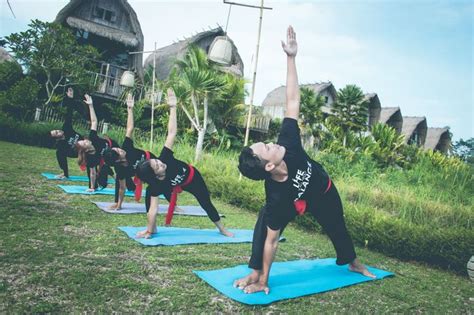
(69, 102)
(93, 116)
(130, 104)
(172, 122)
(292, 87)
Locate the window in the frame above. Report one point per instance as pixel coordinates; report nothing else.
(326, 99)
(80, 34)
(104, 14)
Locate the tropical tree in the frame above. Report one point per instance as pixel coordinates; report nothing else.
(350, 110)
(196, 80)
(51, 53)
(227, 105)
(311, 112)
(389, 145)
(464, 149)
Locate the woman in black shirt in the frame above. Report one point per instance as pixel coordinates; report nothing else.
(169, 176)
(125, 161)
(91, 151)
(67, 137)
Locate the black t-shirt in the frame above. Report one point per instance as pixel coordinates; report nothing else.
(134, 157)
(67, 146)
(100, 146)
(306, 179)
(177, 172)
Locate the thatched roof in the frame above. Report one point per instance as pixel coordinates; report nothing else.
(128, 39)
(5, 56)
(133, 39)
(277, 97)
(392, 116)
(374, 107)
(166, 56)
(412, 125)
(438, 139)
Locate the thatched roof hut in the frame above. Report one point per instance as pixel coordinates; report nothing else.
(5, 56)
(166, 56)
(414, 129)
(374, 108)
(274, 103)
(114, 22)
(438, 139)
(392, 116)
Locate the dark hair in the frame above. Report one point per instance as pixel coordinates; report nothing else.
(145, 172)
(110, 156)
(251, 166)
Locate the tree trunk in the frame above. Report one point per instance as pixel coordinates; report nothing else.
(199, 144)
(201, 132)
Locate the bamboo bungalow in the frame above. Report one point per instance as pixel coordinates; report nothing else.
(165, 56)
(374, 108)
(438, 139)
(392, 116)
(414, 129)
(112, 27)
(274, 103)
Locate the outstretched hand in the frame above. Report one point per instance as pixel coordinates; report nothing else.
(70, 92)
(291, 46)
(88, 99)
(130, 101)
(172, 101)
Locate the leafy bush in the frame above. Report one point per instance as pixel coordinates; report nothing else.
(20, 100)
(10, 73)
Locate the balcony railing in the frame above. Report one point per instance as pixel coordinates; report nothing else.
(107, 85)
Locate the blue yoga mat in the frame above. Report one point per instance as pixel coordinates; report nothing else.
(288, 280)
(72, 189)
(179, 236)
(130, 208)
(73, 178)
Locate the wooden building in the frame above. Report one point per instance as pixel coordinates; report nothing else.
(112, 27)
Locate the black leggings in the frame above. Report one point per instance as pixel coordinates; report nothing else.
(198, 189)
(328, 211)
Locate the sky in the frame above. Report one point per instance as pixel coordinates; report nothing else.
(417, 55)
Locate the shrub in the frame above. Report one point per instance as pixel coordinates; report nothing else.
(10, 73)
(20, 100)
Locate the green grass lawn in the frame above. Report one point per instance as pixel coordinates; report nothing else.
(59, 253)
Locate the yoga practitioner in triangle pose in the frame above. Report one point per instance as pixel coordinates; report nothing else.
(125, 160)
(294, 184)
(169, 176)
(91, 152)
(66, 138)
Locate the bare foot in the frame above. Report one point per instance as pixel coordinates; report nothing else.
(245, 281)
(356, 266)
(143, 234)
(226, 233)
(114, 207)
(256, 287)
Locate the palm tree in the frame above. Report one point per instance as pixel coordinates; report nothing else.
(199, 78)
(311, 111)
(350, 110)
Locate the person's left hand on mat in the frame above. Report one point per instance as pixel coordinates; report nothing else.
(90, 190)
(60, 176)
(256, 287)
(356, 266)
